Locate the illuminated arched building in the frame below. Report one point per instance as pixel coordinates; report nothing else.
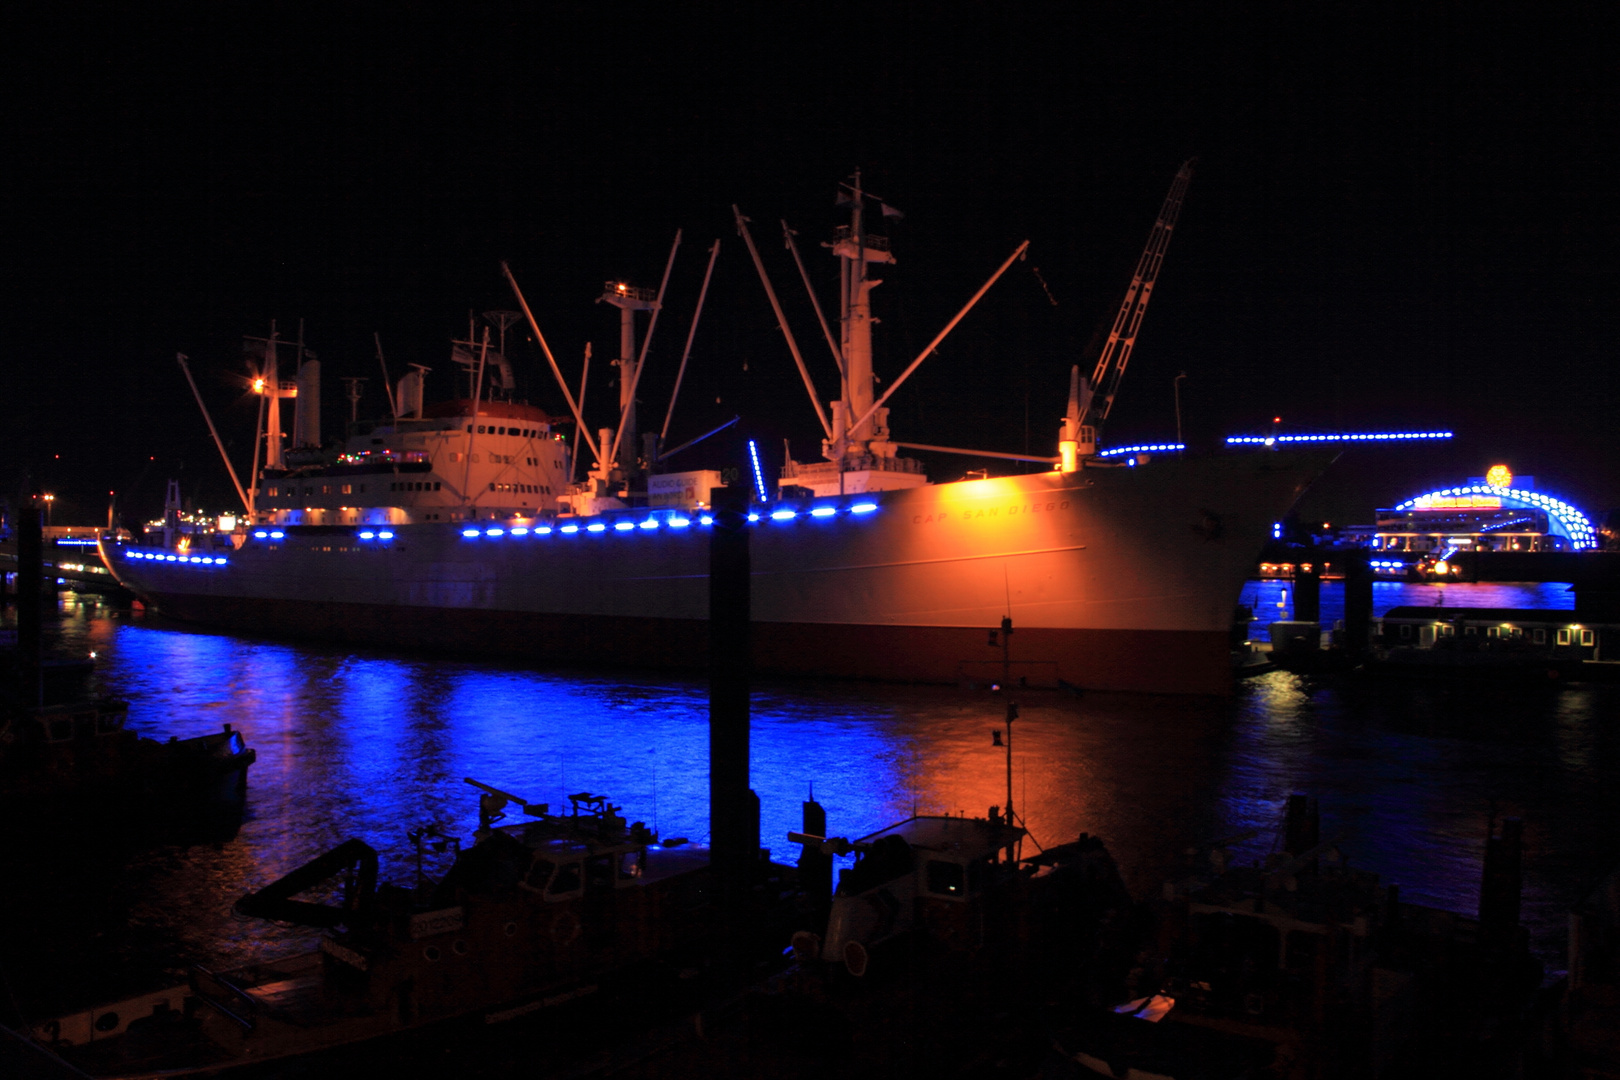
(1496, 512)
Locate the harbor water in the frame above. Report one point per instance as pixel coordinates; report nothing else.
(371, 744)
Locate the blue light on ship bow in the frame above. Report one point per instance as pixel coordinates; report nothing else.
(650, 523)
(784, 515)
(679, 522)
(705, 520)
(471, 533)
(277, 534)
(623, 526)
(520, 531)
(863, 508)
(1337, 437)
(494, 532)
(753, 517)
(596, 527)
(823, 511)
(385, 535)
(368, 535)
(570, 529)
(1145, 448)
(544, 530)
(260, 534)
(759, 474)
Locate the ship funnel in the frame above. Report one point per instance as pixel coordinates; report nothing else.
(409, 395)
(307, 406)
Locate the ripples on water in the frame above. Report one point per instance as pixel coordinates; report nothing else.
(370, 744)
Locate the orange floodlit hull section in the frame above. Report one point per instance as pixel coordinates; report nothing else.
(1114, 578)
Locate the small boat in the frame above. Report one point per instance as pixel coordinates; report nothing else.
(78, 758)
(530, 917)
(963, 884)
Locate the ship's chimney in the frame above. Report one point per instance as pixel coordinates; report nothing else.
(733, 807)
(307, 405)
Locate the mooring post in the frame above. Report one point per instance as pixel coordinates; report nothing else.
(1358, 603)
(733, 807)
(1308, 586)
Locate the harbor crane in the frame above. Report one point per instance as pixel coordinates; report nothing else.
(1116, 352)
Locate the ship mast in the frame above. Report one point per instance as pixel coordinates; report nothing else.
(855, 249)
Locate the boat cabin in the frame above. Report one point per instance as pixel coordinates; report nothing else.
(934, 874)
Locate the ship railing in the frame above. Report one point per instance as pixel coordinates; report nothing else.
(243, 1008)
(872, 241)
(629, 292)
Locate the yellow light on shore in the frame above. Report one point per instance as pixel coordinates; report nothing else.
(1499, 476)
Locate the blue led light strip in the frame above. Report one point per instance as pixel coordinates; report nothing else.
(1146, 448)
(1381, 436)
(759, 474)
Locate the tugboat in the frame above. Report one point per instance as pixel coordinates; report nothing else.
(531, 916)
(961, 884)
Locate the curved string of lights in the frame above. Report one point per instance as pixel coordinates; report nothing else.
(1573, 524)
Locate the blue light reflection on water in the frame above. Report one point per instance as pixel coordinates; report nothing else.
(366, 744)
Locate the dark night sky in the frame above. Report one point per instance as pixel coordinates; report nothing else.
(1399, 218)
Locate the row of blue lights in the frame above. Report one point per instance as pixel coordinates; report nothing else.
(1575, 523)
(759, 474)
(1386, 564)
(1146, 448)
(1381, 436)
(676, 521)
(268, 534)
(159, 556)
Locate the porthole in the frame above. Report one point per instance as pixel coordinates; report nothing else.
(511, 929)
(459, 947)
(431, 954)
(107, 1021)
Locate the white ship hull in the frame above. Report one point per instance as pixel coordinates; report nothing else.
(1115, 579)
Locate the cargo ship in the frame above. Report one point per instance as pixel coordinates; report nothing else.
(458, 525)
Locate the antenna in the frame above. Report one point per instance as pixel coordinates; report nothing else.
(503, 320)
(354, 383)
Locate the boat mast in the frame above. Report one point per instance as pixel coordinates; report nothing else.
(631, 363)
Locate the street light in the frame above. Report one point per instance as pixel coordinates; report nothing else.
(49, 499)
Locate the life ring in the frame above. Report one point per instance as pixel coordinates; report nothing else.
(565, 928)
(856, 958)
